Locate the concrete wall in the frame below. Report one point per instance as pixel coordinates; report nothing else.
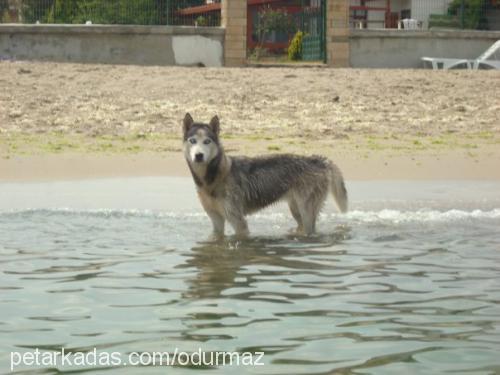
(143, 45)
(404, 48)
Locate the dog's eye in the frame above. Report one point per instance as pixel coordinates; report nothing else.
(207, 141)
(192, 141)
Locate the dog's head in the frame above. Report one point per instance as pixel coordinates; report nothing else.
(201, 141)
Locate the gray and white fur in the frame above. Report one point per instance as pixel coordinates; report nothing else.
(232, 187)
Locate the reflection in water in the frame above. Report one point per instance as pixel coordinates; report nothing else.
(382, 292)
(218, 263)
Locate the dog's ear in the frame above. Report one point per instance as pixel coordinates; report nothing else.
(187, 123)
(215, 124)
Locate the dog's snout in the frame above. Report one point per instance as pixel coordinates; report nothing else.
(198, 157)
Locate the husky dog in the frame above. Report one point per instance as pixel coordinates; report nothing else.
(230, 187)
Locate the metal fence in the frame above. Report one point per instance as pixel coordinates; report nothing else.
(469, 14)
(403, 14)
(125, 12)
(313, 24)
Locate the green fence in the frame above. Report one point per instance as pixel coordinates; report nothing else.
(314, 29)
(129, 12)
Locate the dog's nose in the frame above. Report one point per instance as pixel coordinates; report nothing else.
(198, 157)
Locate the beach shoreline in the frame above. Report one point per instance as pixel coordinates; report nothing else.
(79, 121)
(449, 165)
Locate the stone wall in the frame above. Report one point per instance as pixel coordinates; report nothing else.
(337, 33)
(234, 20)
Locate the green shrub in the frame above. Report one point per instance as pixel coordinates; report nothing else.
(273, 20)
(295, 48)
(201, 21)
(141, 12)
(473, 13)
(35, 10)
(444, 20)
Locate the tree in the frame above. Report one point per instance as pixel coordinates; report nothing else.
(138, 12)
(35, 10)
(277, 20)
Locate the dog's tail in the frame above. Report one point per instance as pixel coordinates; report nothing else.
(337, 187)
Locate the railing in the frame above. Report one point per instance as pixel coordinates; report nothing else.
(449, 14)
(125, 12)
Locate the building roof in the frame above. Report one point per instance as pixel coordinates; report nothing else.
(217, 6)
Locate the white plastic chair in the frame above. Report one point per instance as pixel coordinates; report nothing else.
(485, 59)
(489, 58)
(445, 64)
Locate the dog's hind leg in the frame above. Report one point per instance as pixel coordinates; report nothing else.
(310, 209)
(292, 204)
(306, 215)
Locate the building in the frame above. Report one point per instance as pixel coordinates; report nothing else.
(373, 14)
(273, 41)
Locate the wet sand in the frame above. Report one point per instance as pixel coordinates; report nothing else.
(451, 165)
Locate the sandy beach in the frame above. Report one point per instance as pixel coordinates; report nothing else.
(70, 121)
(103, 241)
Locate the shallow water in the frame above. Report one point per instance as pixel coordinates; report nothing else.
(407, 282)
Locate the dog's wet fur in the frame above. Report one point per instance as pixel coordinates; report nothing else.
(231, 187)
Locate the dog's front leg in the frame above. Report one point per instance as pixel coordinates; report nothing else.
(235, 215)
(239, 224)
(240, 227)
(218, 225)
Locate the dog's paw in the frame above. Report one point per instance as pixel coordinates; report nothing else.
(299, 231)
(242, 235)
(215, 237)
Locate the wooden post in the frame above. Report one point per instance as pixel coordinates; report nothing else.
(234, 20)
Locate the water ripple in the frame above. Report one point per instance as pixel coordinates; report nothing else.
(374, 292)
